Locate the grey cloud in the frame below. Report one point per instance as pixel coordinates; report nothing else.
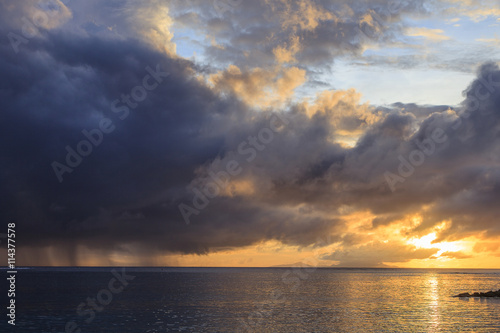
(377, 254)
(250, 31)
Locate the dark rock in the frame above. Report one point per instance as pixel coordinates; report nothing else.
(477, 294)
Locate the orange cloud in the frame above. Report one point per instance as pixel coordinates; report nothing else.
(307, 16)
(259, 87)
(286, 53)
(153, 22)
(476, 10)
(434, 35)
(455, 255)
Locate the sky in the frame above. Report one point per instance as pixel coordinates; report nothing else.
(251, 133)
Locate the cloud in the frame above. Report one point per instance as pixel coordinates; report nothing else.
(434, 35)
(37, 15)
(151, 19)
(476, 10)
(378, 254)
(455, 255)
(494, 41)
(307, 15)
(343, 109)
(259, 87)
(311, 32)
(286, 53)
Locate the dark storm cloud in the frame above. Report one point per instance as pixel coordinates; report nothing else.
(52, 101)
(127, 190)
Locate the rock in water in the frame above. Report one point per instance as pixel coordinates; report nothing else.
(477, 294)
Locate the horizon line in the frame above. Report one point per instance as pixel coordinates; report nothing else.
(280, 266)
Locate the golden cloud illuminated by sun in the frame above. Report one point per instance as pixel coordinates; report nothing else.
(426, 243)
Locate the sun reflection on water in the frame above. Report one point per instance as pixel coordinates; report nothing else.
(434, 313)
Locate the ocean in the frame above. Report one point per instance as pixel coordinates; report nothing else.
(303, 299)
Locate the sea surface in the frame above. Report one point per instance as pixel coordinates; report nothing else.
(252, 300)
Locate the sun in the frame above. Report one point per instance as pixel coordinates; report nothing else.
(425, 242)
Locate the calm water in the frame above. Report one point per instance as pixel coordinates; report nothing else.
(256, 300)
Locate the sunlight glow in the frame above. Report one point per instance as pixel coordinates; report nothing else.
(426, 243)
